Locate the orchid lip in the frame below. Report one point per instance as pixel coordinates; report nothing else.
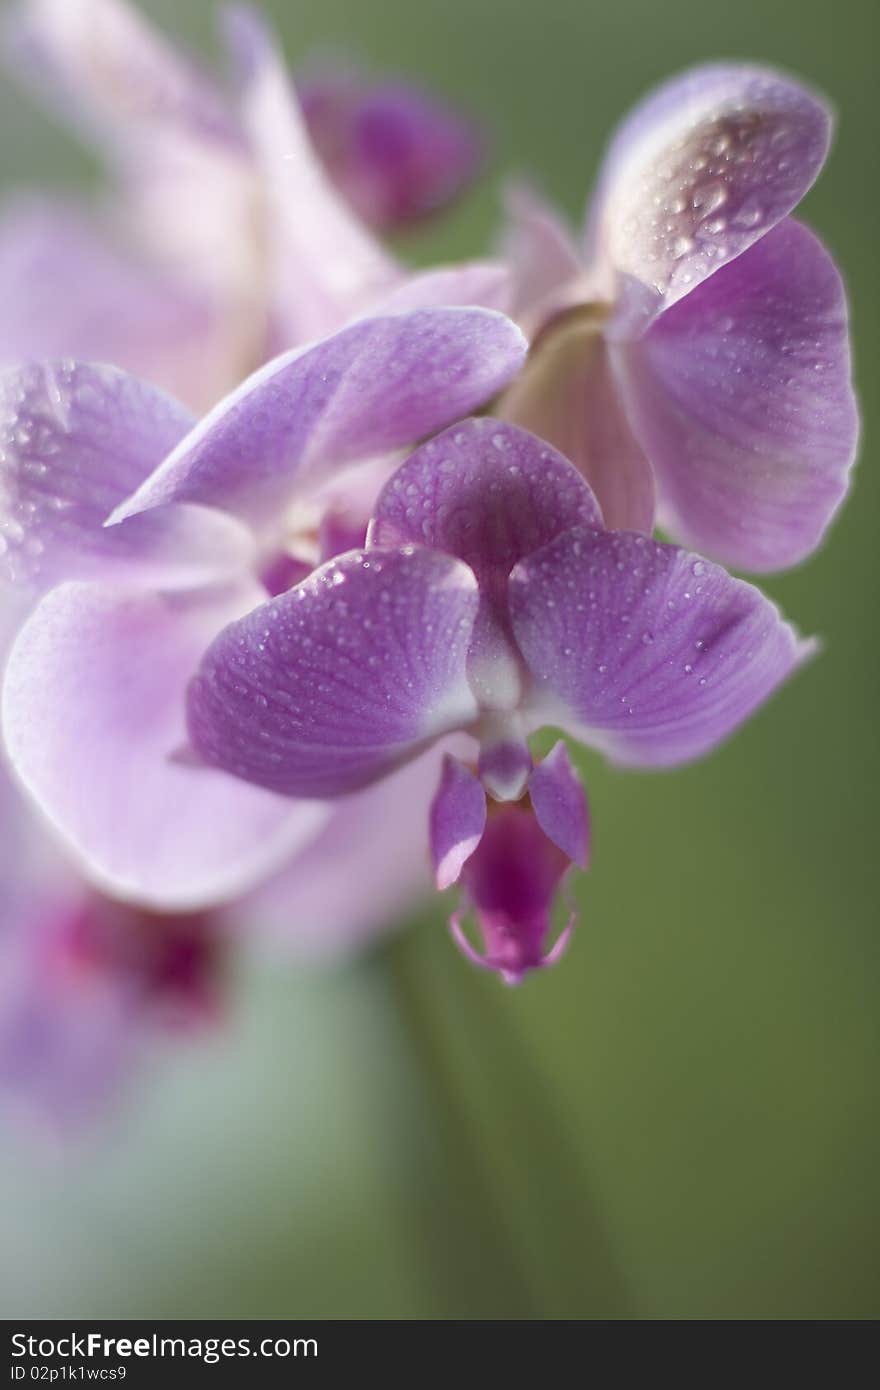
(511, 975)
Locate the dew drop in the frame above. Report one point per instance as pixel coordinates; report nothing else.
(749, 215)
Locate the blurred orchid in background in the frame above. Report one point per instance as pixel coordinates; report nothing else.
(224, 241)
(87, 983)
(396, 154)
(691, 355)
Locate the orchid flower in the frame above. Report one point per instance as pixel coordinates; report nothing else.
(204, 515)
(489, 601)
(226, 241)
(87, 984)
(691, 354)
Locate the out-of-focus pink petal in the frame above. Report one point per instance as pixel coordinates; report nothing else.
(318, 909)
(699, 171)
(31, 869)
(541, 252)
(323, 263)
(486, 284)
(93, 718)
(78, 439)
(644, 651)
(337, 682)
(373, 387)
(742, 397)
(189, 193)
(67, 1037)
(568, 394)
(85, 984)
(394, 152)
(68, 290)
(100, 64)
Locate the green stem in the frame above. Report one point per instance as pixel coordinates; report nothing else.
(497, 1111)
(466, 1239)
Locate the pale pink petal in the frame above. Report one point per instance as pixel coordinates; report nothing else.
(323, 264)
(93, 721)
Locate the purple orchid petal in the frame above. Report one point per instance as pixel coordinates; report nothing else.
(568, 394)
(371, 388)
(396, 154)
(702, 169)
(511, 882)
(113, 666)
(643, 650)
(68, 290)
(335, 683)
(486, 492)
(743, 399)
(323, 261)
(540, 251)
(458, 818)
(77, 439)
(560, 805)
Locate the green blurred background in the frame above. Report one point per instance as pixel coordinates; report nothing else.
(679, 1122)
